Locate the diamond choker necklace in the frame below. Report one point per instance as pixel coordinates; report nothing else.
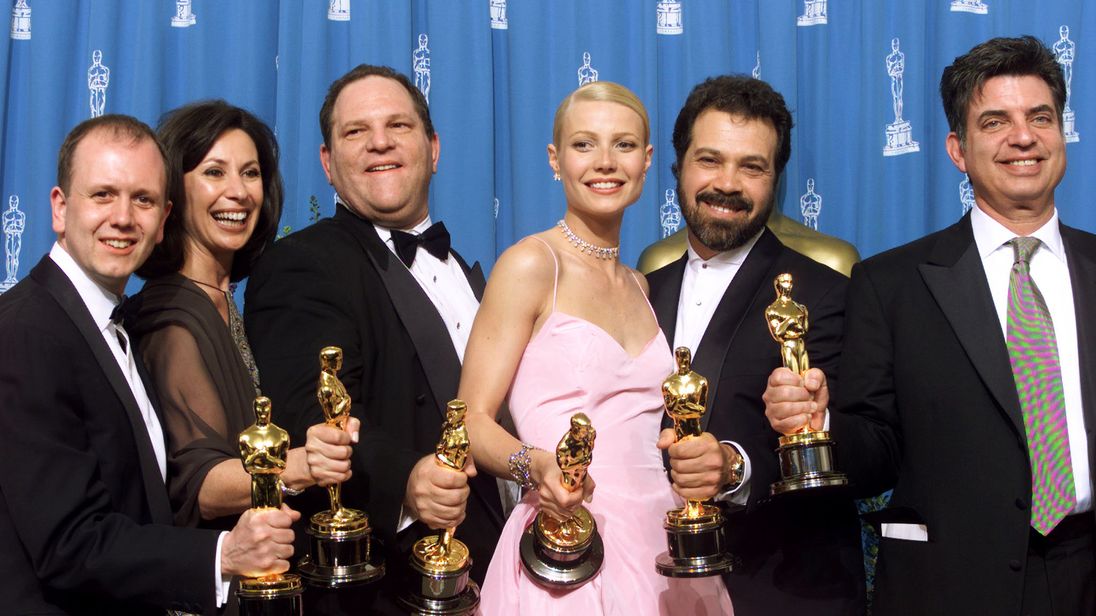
(608, 254)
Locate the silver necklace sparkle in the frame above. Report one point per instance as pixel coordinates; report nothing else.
(608, 254)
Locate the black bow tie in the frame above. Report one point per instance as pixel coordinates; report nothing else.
(435, 240)
(126, 310)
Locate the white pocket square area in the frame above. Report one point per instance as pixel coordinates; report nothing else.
(909, 532)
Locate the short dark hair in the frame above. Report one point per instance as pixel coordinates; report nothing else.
(361, 71)
(736, 95)
(188, 134)
(120, 127)
(997, 57)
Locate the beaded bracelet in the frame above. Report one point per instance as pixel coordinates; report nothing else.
(521, 467)
(288, 491)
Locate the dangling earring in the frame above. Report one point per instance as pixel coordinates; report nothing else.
(555, 176)
(643, 180)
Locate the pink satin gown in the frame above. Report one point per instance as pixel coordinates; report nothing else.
(572, 365)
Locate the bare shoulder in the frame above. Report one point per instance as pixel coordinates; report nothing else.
(530, 261)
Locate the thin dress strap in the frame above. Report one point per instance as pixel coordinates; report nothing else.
(645, 298)
(555, 262)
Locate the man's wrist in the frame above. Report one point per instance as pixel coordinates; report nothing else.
(734, 469)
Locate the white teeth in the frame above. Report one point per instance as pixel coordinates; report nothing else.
(382, 168)
(719, 208)
(1023, 163)
(118, 243)
(604, 185)
(230, 216)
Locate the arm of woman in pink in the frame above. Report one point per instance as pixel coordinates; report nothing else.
(515, 304)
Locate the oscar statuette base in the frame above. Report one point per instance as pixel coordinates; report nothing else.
(806, 462)
(696, 545)
(339, 551)
(562, 559)
(273, 595)
(439, 585)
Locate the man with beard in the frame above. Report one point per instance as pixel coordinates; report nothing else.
(732, 140)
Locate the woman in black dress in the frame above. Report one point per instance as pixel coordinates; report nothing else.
(226, 192)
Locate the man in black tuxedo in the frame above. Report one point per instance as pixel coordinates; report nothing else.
(800, 554)
(85, 523)
(380, 281)
(992, 505)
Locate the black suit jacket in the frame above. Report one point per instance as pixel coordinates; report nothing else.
(336, 283)
(85, 523)
(801, 553)
(928, 406)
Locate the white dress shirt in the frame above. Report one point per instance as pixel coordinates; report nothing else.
(702, 287)
(1050, 272)
(445, 283)
(100, 303)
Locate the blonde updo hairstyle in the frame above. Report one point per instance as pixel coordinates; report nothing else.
(603, 91)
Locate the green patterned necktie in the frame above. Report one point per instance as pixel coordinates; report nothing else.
(1033, 352)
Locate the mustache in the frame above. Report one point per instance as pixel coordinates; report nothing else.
(732, 201)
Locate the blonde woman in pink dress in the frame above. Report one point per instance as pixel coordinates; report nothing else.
(565, 327)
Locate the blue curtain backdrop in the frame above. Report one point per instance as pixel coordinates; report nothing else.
(494, 71)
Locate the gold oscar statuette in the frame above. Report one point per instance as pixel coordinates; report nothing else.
(339, 537)
(806, 455)
(440, 564)
(569, 553)
(263, 448)
(694, 533)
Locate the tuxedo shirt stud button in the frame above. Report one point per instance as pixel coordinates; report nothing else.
(1015, 565)
(1021, 503)
(420, 399)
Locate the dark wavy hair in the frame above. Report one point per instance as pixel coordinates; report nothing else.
(188, 134)
(736, 95)
(1022, 56)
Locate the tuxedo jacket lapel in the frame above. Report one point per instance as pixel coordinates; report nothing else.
(744, 290)
(62, 290)
(664, 296)
(424, 325)
(753, 278)
(1082, 271)
(476, 280)
(955, 276)
(417, 313)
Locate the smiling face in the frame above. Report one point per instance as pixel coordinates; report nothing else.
(114, 210)
(601, 156)
(380, 160)
(726, 180)
(1014, 152)
(223, 196)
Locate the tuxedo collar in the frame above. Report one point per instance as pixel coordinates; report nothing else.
(990, 235)
(99, 302)
(370, 239)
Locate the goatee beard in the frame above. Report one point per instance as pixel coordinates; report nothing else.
(723, 235)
